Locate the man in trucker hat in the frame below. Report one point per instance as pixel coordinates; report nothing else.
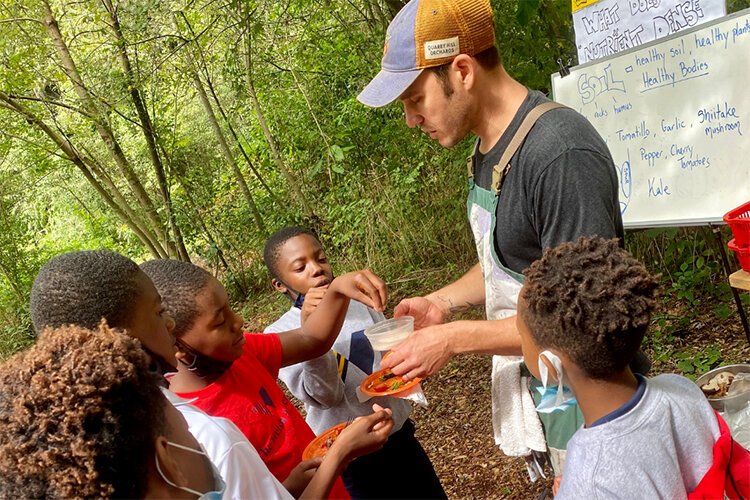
(425, 35)
(531, 185)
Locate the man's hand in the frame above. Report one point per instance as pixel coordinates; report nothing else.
(423, 310)
(556, 484)
(300, 476)
(363, 286)
(312, 299)
(422, 354)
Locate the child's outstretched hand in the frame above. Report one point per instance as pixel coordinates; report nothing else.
(364, 435)
(322, 325)
(363, 286)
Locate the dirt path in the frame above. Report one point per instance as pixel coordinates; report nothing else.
(456, 428)
(456, 432)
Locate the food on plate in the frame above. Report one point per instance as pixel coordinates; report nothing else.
(321, 444)
(718, 385)
(386, 383)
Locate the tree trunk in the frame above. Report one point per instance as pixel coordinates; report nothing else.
(312, 113)
(219, 134)
(228, 154)
(209, 83)
(291, 179)
(147, 128)
(105, 132)
(124, 213)
(209, 235)
(237, 139)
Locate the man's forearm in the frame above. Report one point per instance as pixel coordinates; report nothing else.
(463, 294)
(484, 337)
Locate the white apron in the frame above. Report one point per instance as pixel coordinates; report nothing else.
(517, 429)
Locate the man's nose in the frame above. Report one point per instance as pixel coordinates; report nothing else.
(412, 118)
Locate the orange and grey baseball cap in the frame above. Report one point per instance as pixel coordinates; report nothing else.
(425, 34)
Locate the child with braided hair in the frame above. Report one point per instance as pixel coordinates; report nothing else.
(583, 312)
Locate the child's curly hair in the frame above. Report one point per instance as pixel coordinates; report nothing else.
(79, 413)
(591, 300)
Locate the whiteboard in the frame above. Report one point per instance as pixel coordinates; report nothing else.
(675, 114)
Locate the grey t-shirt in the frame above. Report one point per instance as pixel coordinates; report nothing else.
(562, 185)
(661, 448)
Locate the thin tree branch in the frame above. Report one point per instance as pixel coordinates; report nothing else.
(32, 143)
(54, 103)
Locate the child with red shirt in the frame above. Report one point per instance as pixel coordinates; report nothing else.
(232, 374)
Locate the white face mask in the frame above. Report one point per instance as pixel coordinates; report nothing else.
(219, 484)
(553, 397)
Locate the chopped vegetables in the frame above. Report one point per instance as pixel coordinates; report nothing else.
(385, 382)
(396, 385)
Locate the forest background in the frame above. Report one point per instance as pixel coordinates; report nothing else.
(193, 129)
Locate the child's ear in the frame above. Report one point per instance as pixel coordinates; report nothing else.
(279, 286)
(168, 463)
(551, 368)
(184, 356)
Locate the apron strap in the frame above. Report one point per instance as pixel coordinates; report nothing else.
(470, 159)
(500, 170)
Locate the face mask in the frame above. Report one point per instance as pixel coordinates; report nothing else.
(300, 297)
(299, 301)
(202, 365)
(219, 484)
(556, 397)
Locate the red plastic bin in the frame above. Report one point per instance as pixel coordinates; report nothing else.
(743, 255)
(739, 222)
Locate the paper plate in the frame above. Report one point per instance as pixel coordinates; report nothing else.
(320, 445)
(385, 383)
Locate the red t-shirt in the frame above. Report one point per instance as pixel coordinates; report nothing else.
(248, 395)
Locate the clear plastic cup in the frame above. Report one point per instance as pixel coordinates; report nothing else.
(389, 333)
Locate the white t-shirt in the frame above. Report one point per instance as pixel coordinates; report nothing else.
(239, 464)
(661, 448)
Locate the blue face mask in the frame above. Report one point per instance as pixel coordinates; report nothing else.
(219, 484)
(554, 397)
(299, 301)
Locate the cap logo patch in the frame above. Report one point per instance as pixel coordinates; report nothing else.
(437, 49)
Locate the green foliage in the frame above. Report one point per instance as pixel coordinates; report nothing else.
(690, 260)
(380, 195)
(694, 285)
(693, 365)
